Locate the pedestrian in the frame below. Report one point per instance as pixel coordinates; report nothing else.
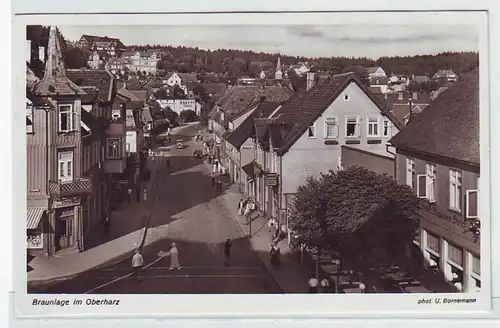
(219, 186)
(227, 250)
(174, 257)
(138, 194)
(246, 212)
(107, 224)
(129, 193)
(274, 254)
(325, 286)
(313, 284)
(214, 168)
(271, 223)
(212, 177)
(240, 207)
(137, 263)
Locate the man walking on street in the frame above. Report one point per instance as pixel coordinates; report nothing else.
(137, 263)
(227, 250)
(129, 193)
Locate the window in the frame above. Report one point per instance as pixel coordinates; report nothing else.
(373, 130)
(66, 118)
(410, 172)
(312, 130)
(346, 97)
(29, 119)
(352, 127)
(114, 147)
(422, 186)
(476, 265)
(386, 128)
(471, 203)
(65, 164)
(433, 243)
(331, 128)
(431, 182)
(455, 190)
(455, 254)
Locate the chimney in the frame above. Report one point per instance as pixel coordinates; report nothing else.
(28, 51)
(41, 54)
(415, 95)
(309, 80)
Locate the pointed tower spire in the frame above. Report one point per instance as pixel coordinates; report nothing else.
(55, 81)
(278, 75)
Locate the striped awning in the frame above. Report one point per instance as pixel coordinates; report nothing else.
(33, 216)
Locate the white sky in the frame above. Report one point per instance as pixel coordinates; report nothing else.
(299, 40)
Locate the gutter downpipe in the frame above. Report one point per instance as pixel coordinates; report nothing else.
(387, 145)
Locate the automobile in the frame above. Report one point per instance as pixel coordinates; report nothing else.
(198, 153)
(179, 145)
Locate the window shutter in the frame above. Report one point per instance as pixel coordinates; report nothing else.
(471, 203)
(422, 185)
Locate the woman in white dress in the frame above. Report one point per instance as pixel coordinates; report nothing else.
(174, 258)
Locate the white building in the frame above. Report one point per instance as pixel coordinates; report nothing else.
(180, 105)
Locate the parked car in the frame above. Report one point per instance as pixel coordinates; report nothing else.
(198, 153)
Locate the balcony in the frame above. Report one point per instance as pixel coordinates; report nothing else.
(77, 187)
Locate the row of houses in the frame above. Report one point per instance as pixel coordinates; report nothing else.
(270, 145)
(82, 131)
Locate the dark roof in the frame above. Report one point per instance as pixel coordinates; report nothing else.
(249, 170)
(307, 105)
(246, 128)
(278, 132)
(214, 88)
(91, 95)
(449, 126)
(91, 39)
(89, 121)
(103, 80)
(400, 107)
(239, 98)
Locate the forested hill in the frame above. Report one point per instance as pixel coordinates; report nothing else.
(239, 63)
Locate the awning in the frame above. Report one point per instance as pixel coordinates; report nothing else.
(33, 216)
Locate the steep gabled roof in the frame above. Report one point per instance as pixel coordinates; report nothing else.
(245, 130)
(103, 80)
(91, 39)
(307, 105)
(449, 126)
(54, 81)
(374, 69)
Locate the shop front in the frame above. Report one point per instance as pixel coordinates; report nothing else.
(35, 218)
(68, 224)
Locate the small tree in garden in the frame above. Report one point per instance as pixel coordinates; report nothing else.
(357, 212)
(188, 115)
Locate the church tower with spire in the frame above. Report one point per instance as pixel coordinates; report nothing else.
(278, 75)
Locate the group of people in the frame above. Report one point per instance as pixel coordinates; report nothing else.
(138, 261)
(245, 207)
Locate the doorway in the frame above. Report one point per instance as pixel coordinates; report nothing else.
(63, 233)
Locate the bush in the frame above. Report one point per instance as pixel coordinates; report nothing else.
(188, 116)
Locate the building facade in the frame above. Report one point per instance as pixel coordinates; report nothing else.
(440, 162)
(56, 181)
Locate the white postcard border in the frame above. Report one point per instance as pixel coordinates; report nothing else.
(231, 305)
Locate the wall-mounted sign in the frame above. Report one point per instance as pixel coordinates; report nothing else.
(34, 241)
(64, 202)
(272, 179)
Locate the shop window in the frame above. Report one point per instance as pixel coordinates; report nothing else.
(433, 243)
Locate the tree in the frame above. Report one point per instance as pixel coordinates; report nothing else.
(356, 211)
(200, 92)
(171, 116)
(75, 58)
(188, 115)
(178, 92)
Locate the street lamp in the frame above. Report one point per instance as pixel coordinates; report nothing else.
(337, 282)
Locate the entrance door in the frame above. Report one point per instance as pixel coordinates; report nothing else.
(63, 234)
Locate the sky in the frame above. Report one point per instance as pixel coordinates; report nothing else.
(371, 41)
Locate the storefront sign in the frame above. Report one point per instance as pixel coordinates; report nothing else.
(432, 209)
(35, 241)
(272, 179)
(65, 202)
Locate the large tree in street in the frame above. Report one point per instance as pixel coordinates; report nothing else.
(357, 212)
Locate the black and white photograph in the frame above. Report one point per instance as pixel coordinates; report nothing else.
(295, 158)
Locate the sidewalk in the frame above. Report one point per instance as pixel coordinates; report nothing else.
(291, 276)
(48, 270)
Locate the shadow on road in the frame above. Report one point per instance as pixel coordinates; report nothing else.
(204, 271)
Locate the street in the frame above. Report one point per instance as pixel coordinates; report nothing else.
(187, 206)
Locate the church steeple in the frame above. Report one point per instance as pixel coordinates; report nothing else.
(278, 75)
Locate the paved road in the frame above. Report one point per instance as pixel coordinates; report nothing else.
(199, 223)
